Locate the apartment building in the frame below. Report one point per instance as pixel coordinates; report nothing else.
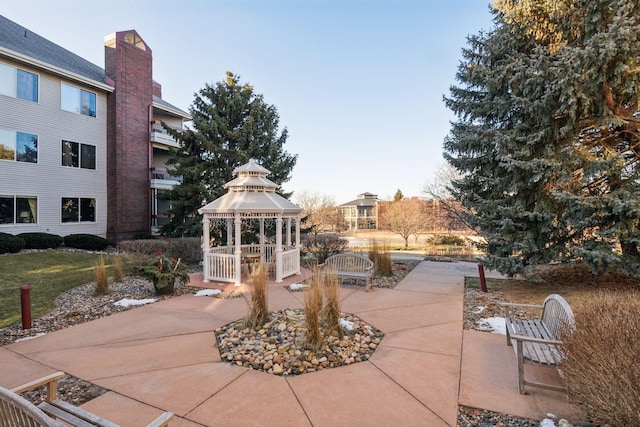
(81, 147)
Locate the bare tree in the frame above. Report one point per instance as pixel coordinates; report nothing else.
(405, 217)
(449, 213)
(319, 210)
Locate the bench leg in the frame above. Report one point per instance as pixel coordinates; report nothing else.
(520, 367)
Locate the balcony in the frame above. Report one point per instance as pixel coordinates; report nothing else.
(163, 180)
(160, 136)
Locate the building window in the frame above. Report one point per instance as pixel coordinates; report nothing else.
(78, 155)
(78, 100)
(18, 83)
(78, 209)
(18, 146)
(18, 210)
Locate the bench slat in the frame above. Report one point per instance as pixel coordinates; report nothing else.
(60, 414)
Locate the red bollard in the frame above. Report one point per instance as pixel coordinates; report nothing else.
(483, 281)
(25, 301)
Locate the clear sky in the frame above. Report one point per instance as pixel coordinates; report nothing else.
(357, 83)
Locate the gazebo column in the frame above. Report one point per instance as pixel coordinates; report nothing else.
(262, 251)
(237, 222)
(205, 247)
(288, 233)
(229, 234)
(298, 243)
(279, 249)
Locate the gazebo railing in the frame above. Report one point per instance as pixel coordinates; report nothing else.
(290, 262)
(221, 260)
(220, 266)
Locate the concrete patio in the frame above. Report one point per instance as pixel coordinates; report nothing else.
(163, 357)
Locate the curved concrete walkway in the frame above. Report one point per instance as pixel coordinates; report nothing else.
(163, 357)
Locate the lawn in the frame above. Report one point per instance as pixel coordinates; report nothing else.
(573, 283)
(48, 273)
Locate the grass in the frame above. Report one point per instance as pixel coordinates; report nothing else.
(48, 273)
(573, 283)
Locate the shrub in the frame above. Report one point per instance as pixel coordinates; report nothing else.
(258, 308)
(144, 247)
(186, 248)
(118, 269)
(102, 280)
(449, 239)
(322, 246)
(312, 307)
(331, 307)
(88, 242)
(603, 374)
(11, 244)
(381, 258)
(40, 240)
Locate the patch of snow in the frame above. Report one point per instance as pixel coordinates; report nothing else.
(297, 286)
(32, 337)
(552, 416)
(547, 422)
(347, 324)
(126, 302)
(493, 324)
(208, 292)
(480, 309)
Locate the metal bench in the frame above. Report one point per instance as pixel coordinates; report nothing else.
(539, 341)
(349, 265)
(18, 411)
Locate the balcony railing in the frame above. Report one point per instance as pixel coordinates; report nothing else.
(161, 178)
(160, 136)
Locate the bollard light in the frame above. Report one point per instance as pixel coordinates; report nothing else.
(25, 303)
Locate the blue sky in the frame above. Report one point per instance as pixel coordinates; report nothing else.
(357, 83)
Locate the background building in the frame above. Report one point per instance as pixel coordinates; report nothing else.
(361, 213)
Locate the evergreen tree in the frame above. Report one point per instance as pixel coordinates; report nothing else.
(398, 195)
(547, 136)
(231, 124)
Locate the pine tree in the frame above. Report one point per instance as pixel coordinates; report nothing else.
(231, 124)
(398, 195)
(546, 138)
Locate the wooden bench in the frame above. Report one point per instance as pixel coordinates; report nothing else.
(18, 411)
(349, 265)
(539, 341)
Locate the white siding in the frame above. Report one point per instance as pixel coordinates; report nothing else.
(48, 179)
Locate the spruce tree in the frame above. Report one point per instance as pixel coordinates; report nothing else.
(547, 136)
(231, 124)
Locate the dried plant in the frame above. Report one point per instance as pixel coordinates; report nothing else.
(258, 308)
(102, 279)
(331, 308)
(118, 269)
(603, 374)
(312, 307)
(381, 257)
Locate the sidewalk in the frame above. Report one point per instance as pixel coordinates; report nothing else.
(163, 357)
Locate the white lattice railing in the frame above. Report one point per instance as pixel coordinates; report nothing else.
(220, 266)
(290, 262)
(221, 261)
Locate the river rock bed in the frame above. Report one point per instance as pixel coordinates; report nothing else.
(279, 347)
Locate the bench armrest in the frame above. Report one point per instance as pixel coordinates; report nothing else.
(50, 380)
(510, 304)
(162, 420)
(537, 340)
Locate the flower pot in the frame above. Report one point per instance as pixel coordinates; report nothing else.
(164, 285)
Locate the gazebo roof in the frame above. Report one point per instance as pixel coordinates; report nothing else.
(251, 192)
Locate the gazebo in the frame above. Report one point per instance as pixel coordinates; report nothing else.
(251, 199)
